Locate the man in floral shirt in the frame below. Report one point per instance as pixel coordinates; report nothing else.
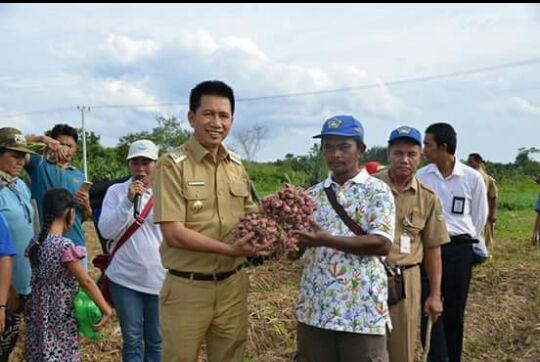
(342, 310)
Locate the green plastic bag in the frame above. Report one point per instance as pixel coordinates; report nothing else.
(87, 313)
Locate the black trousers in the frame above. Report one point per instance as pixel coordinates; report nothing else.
(321, 345)
(447, 332)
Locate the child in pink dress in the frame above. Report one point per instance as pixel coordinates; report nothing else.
(57, 272)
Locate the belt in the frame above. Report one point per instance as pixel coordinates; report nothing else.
(405, 267)
(462, 238)
(206, 277)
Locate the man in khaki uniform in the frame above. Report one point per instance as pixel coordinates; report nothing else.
(477, 162)
(420, 231)
(201, 189)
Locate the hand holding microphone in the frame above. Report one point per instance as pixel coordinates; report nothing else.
(135, 192)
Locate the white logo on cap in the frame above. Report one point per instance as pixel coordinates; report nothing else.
(404, 130)
(19, 139)
(333, 123)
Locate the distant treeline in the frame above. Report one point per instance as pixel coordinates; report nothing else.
(107, 163)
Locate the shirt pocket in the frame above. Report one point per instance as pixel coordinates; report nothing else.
(413, 226)
(199, 205)
(239, 190)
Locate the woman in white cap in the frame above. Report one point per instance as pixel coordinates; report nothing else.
(135, 271)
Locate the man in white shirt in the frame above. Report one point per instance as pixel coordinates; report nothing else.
(462, 192)
(135, 272)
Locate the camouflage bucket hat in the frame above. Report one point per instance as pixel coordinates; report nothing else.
(13, 139)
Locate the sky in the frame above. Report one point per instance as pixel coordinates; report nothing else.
(132, 63)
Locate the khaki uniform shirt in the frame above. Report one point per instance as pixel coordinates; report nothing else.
(419, 216)
(491, 186)
(207, 196)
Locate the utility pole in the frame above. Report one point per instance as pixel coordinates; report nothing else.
(83, 109)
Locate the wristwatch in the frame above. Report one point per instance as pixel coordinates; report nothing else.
(3, 307)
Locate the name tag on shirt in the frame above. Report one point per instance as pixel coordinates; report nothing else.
(196, 183)
(405, 244)
(458, 205)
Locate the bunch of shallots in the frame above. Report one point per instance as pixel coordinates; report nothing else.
(265, 229)
(283, 214)
(291, 208)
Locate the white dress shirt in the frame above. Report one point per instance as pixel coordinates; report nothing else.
(137, 264)
(464, 182)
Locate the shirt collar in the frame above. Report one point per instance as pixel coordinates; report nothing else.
(458, 170)
(199, 152)
(385, 176)
(359, 178)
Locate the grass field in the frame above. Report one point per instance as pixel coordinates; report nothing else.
(502, 317)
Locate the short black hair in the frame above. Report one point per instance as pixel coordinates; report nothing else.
(443, 133)
(64, 130)
(476, 157)
(211, 88)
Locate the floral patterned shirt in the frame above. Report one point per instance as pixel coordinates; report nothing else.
(342, 291)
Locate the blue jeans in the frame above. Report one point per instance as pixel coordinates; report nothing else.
(139, 320)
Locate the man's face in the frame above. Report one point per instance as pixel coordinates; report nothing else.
(341, 154)
(212, 121)
(471, 161)
(432, 151)
(71, 145)
(12, 162)
(404, 158)
(142, 167)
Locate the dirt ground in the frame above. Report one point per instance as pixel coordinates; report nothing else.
(502, 318)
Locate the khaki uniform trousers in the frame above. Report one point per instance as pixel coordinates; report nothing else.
(191, 311)
(405, 317)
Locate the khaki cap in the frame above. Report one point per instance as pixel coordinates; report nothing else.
(13, 139)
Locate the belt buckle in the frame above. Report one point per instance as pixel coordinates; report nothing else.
(214, 276)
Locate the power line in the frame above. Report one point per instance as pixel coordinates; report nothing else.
(397, 82)
(391, 83)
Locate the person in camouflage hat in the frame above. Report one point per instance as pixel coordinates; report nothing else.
(13, 139)
(15, 206)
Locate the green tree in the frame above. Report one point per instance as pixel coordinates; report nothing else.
(522, 158)
(168, 134)
(376, 153)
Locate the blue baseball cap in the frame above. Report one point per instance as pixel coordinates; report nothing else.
(346, 126)
(406, 132)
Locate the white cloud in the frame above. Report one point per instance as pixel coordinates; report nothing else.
(129, 50)
(141, 54)
(245, 45)
(198, 43)
(524, 106)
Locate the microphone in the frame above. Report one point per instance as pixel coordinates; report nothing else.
(137, 199)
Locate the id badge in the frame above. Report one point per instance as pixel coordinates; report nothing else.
(458, 205)
(405, 244)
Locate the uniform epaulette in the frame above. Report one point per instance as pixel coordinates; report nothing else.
(235, 157)
(178, 154)
(426, 187)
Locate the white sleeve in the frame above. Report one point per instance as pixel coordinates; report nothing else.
(480, 208)
(116, 212)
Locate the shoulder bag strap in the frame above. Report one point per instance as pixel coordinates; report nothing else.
(134, 227)
(351, 224)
